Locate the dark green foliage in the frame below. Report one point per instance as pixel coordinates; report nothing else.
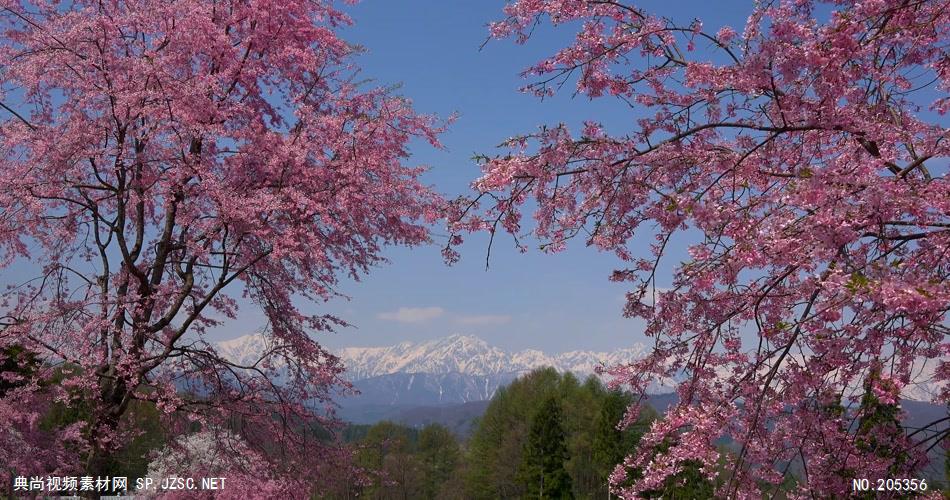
(354, 432)
(580, 404)
(439, 453)
(542, 469)
(498, 442)
(689, 483)
(385, 439)
(610, 444)
(831, 409)
(545, 428)
(879, 425)
(140, 425)
(132, 459)
(387, 453)
(495, 447)
(401, 462)
(75, 409)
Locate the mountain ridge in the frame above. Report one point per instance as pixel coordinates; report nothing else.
(457, 353)
(461, 368)
(471, 355)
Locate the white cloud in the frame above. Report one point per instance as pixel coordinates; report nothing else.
(483, 319)
(412, 314)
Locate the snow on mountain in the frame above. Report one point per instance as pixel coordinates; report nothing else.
(471, 355)
(450, 370)
(487, 366)
(455, 354)
(465, 354)
(244, 350)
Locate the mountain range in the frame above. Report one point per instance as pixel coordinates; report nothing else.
(473, 356)
(469, 369)
(454, 370)
(463, 370)
(462, 354)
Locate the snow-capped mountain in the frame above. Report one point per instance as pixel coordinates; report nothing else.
(462, 354)
(454, 369)
(471, 355)
(244, 350)
(462, 368)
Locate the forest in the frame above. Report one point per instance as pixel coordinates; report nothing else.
(550, 435)
(547, 435)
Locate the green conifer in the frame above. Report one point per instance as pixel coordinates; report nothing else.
(542, 466)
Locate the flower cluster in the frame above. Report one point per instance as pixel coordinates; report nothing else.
(805, 159)
(163, 163)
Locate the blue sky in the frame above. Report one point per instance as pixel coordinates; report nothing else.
(429, 50)
(550, 302)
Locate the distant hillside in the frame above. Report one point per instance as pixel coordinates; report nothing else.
(427, 388)
(458, 418)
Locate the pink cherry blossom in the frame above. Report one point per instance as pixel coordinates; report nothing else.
(163, 163)
(810, 157)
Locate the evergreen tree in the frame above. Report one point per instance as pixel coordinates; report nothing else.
(688, 483)
(946, 467)
(501, 434)
(879, 427)
(439, 454)
(610, 444)
(496, 447)
(387, 455)
(580, 405)
(542, 466)
(833, 412)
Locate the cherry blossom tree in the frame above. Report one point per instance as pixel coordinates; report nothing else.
(209, 453)
(161, 164)
(804, 157)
